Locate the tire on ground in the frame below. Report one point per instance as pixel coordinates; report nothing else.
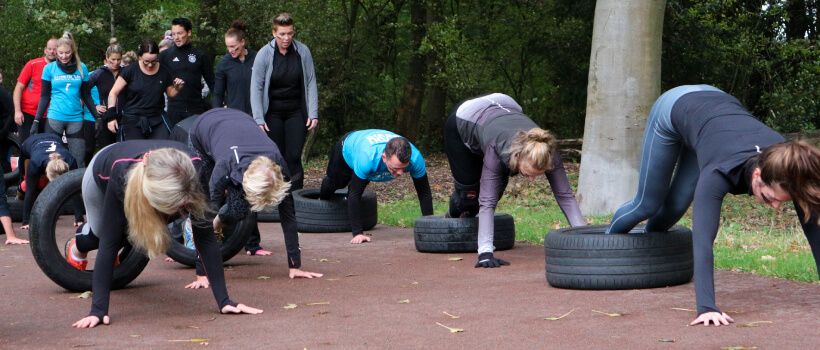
(15, 176)
(586, 258)
(48, 253)
(270, 215)
(435, 234)
(15, 205)
(332, 215)
(230, 244)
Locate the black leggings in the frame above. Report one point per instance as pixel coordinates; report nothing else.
(24, 130)
(134, 132)
(464, 164)
(288, 132)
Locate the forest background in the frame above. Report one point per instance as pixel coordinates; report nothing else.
(402, 64)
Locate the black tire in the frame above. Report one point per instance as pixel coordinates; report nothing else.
(48, 252)
(435, 234)
(586, 258)
(323, 216)
(234, 240)
(15, 205)
(13, 177)
(270, 215)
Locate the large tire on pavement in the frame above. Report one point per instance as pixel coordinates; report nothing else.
(270, 215)
(12, 177)
(48, 251)
(586, 258)
(436, 234)
(15, 205)
(232, 241)
(332, 215)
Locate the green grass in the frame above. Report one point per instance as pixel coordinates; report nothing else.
(752, 238)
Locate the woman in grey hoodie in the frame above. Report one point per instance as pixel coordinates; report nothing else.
(284, 97)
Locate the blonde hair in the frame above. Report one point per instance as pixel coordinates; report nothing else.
(56, 166)
(535, 146)
(264, 184)
(129, 57)
(166, 182)
(795, 167)
(68, 40)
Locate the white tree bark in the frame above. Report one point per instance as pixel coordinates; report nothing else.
(624, 81)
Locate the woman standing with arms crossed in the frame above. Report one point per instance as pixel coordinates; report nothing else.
(284, 97)
(143, 115)
(131, 191)
(103, 79)
(65, 90)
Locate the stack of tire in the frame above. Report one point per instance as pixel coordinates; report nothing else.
(587, 258)
(331, 215)
(437, 234)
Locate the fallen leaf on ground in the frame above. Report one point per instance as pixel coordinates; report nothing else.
(322, 313)
(406, 301)
(85, 295)
(414, 283)
(737, 348)
(387, 264)
(52, 298)
(322, 303)
(452, 330)
(608, 314)
(135, 336)
(335, 262)
(455, 259)
(322, 260)
(735, 312)
(189, 340)
(351, 275)
(289, 306)
(753, 324)
(332, 279)
(667, 340)
(682, 309)
(192, 327)
(451, 316)
(263, 277)
(82, 345)
(558, 318)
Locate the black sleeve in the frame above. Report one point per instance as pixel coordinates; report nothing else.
(354, 203)
(236, 207)
(6, 113)
(218, 183)
(208, 71)
(812, 231)
(93, 77)
(111, 238)
(45, 99)
(219, 87)
(422, 186)
(208, 251)
(32, 177)
(287, 217)
(709, 194)
(85, 94)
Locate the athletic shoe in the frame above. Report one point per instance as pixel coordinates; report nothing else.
(80, 265)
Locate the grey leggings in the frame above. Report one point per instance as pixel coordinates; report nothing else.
(74, 136)
(93, 199)
(658, 200)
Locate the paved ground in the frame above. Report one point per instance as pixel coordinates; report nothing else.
(498, 308)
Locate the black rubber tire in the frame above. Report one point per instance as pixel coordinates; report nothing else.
(270, 215)
(45, 249)
(435, 234)
(234, 240)
(323, 216)
(586, 258)
(13, 177)
(15, 205)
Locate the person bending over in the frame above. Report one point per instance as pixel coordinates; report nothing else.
(373, 155)
(487, 139)
(131, 191)
(44, 155)
(716, 147)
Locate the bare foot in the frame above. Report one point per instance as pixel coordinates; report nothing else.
(169, 260)
(24, 227)
(260, 252)
(15, 240)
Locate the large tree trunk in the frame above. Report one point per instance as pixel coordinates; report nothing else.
(435, 109)
(409, 111)
(624, 81)
(111, 14)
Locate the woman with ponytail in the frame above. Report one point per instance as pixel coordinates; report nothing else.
(131, 191)
(247, 174)
(715, 147)
(103, 80)
(43, 155)
(65, 92)
(488, 138)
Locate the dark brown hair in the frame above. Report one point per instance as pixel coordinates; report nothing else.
(795, 167)
(237, 30)
(283, 19)
(400, 147)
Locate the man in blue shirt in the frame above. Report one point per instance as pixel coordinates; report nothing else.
(373, 155)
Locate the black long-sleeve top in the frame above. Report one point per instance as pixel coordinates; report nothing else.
(110, 168)
(104, 80)
(232, 141)
(189, 64)
(6, 112)
(727, 140)
(37, 150)
(233, 82)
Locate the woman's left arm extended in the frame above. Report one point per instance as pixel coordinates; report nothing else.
(562, 191)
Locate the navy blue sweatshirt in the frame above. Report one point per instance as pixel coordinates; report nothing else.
(233, 82)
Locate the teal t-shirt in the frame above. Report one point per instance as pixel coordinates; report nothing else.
(363, 150)
(65, 92)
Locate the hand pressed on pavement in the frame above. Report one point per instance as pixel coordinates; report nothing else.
(90, 322)
(359, 239)
(297, 273)
(201, 282)
(241, 309)
(715, 318)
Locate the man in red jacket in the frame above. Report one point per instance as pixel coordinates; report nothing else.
(27, 91)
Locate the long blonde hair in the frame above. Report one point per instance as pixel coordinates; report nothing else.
(68, 40)
(166, 183)
(56, 166)
(536, 146)
(264, 184)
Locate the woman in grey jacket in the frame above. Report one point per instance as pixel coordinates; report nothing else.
(284, 97)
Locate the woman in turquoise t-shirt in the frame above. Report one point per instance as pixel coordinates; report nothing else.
(65, 83)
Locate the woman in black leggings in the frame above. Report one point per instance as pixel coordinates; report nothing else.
(716, 147)
(247, 173)
(103, 79)
(143, 115)
(131, 191)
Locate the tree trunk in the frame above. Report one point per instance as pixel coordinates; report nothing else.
(435, 110)
(111, 13)
(624, 81)
(409, 111)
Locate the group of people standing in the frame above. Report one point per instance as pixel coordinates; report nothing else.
(226, 165)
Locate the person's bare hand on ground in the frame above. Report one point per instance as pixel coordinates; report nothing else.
(201, 282)
(715, 318)
(360, 239)
(241, 309)
(297, 273)
(90, 322)
(15, 240)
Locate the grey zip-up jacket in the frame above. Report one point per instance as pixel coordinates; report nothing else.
(260, 81)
